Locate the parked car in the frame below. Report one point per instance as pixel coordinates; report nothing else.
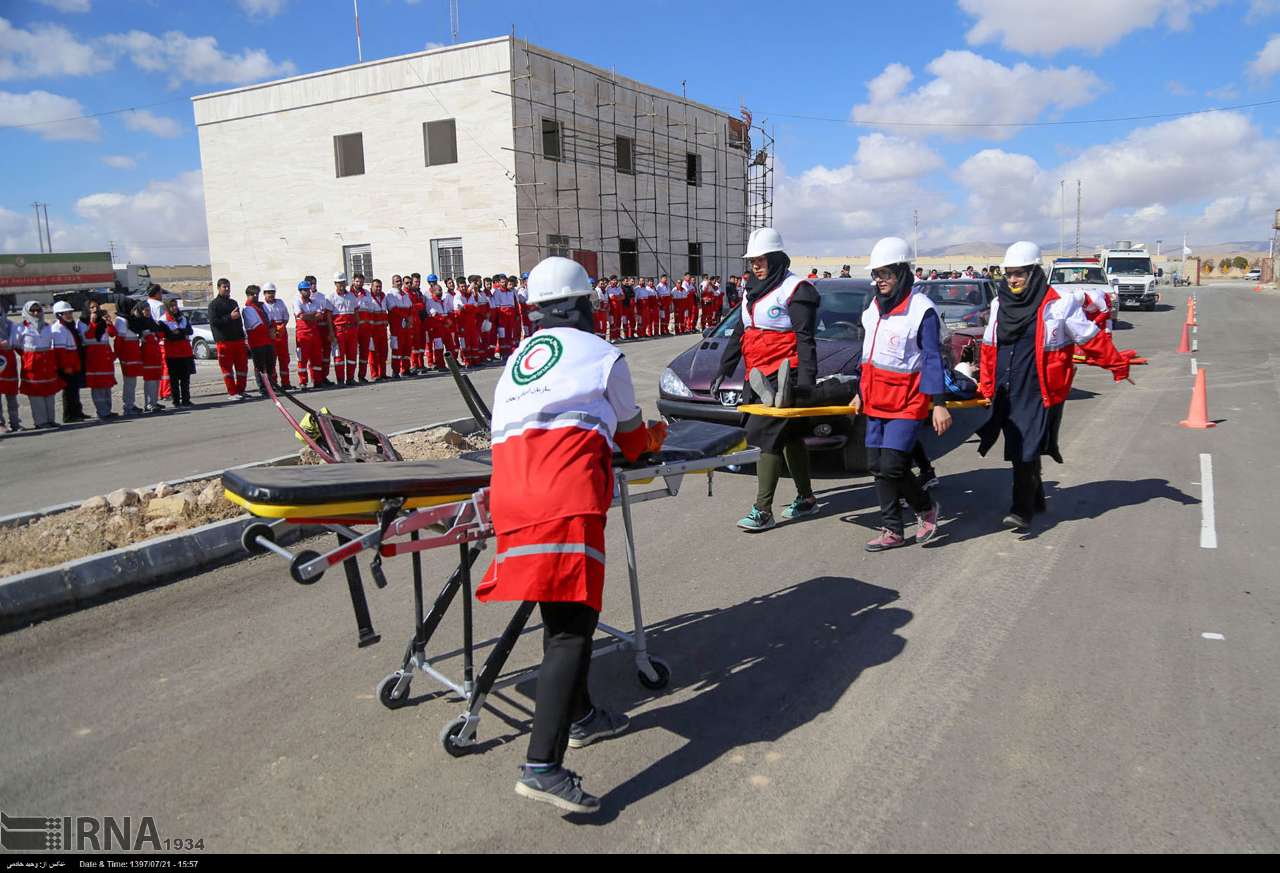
(1254, 275)
(684, 390)
(202, 344)
(965, 308)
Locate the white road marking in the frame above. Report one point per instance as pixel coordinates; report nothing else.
(1193, 366)
(1195, 344)
(1209, 636)
(1208, 532)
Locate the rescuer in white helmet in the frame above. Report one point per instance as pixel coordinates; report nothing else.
(564, 400)
(1026, 372)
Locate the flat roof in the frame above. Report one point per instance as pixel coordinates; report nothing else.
(464, 46)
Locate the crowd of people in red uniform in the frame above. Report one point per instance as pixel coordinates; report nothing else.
(356, 334)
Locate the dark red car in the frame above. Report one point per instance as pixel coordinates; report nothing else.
(684, 390)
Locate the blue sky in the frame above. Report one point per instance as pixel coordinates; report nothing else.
(134, 177)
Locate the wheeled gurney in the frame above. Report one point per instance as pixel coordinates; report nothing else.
(412, 506)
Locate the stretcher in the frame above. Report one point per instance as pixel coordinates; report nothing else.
(822, 411)
(413, 506)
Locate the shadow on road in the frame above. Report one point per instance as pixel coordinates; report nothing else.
(758, 671)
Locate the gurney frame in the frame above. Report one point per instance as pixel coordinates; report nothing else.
(466, 523)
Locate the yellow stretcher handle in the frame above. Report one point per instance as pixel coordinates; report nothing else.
(823, 411)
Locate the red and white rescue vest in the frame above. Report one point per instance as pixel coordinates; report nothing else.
(99, 360)
(128, 349)
(768, 336)
(1061, 328)
(310, 306)
(9, 358)
(257, 325)
(39, 360)
(892, 360)
(344, 308)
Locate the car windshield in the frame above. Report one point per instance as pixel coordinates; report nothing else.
(955, 293)
(839, 314)
(196, 316)
(1129, 266)
(1077, 276)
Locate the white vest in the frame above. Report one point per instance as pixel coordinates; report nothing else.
(770, 311)
(556, 379)
(1060, 328)
(343, 304)
(278, 311)
(892, 343)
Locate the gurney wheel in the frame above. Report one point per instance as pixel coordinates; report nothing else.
(295, 567)
(249, 538)
(387, 687)
(450, 733)
(664, 675)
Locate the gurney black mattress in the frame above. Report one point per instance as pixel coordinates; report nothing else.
(329, 483)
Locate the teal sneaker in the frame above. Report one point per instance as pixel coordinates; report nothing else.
(801, 508)
(757, 520)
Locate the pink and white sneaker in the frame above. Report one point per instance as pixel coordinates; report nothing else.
(887, 539)
(928, 524)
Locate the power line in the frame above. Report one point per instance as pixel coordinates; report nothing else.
(93, 114)
(950, 124)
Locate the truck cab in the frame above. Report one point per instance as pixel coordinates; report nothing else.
(132, 278)
(1131, 274)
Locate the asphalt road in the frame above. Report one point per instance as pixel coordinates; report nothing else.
(1050, 692)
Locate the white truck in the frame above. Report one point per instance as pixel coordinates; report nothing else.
(1131, 274)
(46, 277)
(132, 278)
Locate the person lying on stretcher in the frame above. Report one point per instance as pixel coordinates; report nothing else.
(564, 401)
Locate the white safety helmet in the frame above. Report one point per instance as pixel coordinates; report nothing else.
(1021, 254)
(763, 241)
(62, 306)
(557, 279)
(889, 251)
(270, 286)
(340, 277)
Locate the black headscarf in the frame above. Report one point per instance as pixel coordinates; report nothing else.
(1020, 311)
(901, 289)
(779, 263)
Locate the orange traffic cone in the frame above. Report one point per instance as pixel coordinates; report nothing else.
(1191, 312)
(1198, 412)
(1257, 289)
(1184, 347)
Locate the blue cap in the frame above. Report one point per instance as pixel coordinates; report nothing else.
(433, 278)
(304, 284)
(524, 275)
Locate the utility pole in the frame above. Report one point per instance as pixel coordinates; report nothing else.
(1062, 218)
(453, 19)
(39, 231)
(359, 49)
(43, 237)
(915, 235)
(47, 232)
(1078, 197)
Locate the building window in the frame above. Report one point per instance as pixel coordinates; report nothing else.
(695, 258)
(440, 142)
(358, 259)
(446, 257)
(628, 257)
(348, 154)
(552, 134)
(626, 151)
(693, 168)
(557, 245)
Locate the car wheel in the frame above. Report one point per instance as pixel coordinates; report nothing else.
(200, 349)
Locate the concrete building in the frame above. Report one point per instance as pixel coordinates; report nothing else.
(483, 157)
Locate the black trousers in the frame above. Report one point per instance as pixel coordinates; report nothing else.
(71, 406)
(181, 385)
(264, 362)
(894, 480)
(562, 696)
(1028, 489)
(920, 458)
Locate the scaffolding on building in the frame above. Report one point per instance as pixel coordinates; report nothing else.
(666, 184)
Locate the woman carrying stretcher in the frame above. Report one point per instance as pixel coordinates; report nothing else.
(563, 402)
(777, 340)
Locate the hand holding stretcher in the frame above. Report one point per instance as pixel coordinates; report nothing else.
(446, 503)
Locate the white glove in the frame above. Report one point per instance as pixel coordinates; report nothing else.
(486, 326)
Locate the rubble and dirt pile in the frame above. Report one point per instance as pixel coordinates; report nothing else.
(436, 444)
(108, 522)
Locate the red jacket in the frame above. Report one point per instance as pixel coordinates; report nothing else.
(1062, 329)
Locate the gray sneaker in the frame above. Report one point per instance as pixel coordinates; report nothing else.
(760, 385)
(599, 725)
(782, 399)
(559, 787)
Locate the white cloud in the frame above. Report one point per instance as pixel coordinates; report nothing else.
(883, 158)
(1267, 63)
(1177, 89)
(1259, 9)
(1046, 27)
(966, 87)
(1226, 92)
(262, 8)
(141, 119)
(27, 110)
(119, 162)
(196, 58)
(17, 231)
(68, 5)
(44, 51)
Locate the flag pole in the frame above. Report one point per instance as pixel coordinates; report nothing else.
(359, 49)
